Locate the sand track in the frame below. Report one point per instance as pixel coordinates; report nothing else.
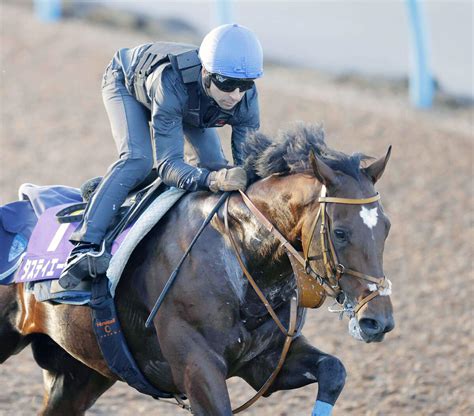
(51, 111)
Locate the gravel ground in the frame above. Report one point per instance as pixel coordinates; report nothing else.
(51, 111)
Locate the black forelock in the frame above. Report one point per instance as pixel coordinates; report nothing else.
(288, 152)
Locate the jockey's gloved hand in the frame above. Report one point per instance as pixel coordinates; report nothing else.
(231, 179)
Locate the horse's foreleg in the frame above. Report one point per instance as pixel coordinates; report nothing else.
(197, 370)
(304, 365)
(70, 387)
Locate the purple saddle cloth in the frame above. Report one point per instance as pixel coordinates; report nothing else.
(48, 244)
(19, 219)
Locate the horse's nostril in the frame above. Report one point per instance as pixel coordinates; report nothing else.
(369, 326)
(390, 325)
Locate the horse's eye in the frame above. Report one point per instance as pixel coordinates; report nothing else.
(340, 234)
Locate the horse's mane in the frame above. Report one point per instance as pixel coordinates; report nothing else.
(288, 152)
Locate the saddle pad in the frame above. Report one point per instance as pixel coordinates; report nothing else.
(49, 248)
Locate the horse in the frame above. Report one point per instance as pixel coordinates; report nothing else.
(212, 325)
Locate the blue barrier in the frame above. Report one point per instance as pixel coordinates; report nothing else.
(224, 11)
(421, 80)
(48, 10)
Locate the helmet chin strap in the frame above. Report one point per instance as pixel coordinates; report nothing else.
(206, 79)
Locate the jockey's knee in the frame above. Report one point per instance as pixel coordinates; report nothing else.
(136, 168)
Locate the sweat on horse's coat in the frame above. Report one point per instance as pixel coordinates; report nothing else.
(234, 274)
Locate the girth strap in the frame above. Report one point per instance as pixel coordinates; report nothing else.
(112, 343)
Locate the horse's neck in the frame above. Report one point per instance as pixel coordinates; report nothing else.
(283, 200)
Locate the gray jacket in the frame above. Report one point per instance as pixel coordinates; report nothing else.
(168, 100)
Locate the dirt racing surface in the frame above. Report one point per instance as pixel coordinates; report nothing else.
(55, 130)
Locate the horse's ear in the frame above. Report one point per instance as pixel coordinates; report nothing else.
(376, 169)
(323, 172)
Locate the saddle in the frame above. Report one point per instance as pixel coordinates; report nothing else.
(137, 201)
(55, 211)
(97, 263)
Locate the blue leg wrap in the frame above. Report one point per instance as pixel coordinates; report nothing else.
(322, 409)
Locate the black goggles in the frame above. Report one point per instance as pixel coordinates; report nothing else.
(230, 84)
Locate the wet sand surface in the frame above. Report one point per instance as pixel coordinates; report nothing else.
(54, 130)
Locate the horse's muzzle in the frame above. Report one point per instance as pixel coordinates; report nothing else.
(374, 329)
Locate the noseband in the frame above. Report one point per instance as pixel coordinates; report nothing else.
(334, 270)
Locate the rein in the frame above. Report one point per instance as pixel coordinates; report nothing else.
(334, 270)
(289, 334)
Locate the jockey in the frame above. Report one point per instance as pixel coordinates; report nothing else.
(183, 93)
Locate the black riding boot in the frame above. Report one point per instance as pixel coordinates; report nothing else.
(85, 261)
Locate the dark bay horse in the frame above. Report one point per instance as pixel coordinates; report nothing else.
(212, 326)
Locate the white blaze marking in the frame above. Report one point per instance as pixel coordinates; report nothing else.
(58, 237)
(369, 216)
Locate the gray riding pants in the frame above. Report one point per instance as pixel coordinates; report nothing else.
(129, 121)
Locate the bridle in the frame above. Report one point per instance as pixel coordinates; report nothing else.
(334, 270)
